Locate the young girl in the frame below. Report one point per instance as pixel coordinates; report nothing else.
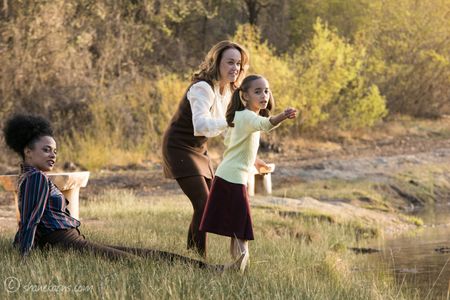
(227, 210)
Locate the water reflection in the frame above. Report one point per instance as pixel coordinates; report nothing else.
(413, 257)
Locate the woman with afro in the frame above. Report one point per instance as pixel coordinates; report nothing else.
(44, 217)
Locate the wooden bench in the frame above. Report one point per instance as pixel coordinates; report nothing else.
(260, 182)
(68, 183)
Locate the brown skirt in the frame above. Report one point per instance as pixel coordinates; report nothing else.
(227, 210)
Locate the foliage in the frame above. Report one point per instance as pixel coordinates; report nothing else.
(412, 38)
(89, 64)
(330, 77)
(349, 16)
(134, 118)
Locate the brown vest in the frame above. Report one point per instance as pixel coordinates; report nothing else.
(184, 154)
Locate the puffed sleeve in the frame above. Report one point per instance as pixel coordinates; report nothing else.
(201, 97)
(33, 193)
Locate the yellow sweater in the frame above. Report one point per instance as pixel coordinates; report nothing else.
(242, 143)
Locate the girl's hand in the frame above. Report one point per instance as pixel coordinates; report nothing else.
(290, 113)
(260, 164)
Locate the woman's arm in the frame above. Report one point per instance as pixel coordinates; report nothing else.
(34, 192)
(201, 97)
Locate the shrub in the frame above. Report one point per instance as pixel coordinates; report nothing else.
(330, 79)
(412, 38)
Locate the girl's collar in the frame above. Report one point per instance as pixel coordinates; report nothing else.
(255, 112)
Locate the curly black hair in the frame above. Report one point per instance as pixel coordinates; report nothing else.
(22, 131)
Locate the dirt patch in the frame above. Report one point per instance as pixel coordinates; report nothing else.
(378, 168)
(143, 183)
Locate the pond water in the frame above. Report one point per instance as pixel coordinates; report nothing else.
(421, 260)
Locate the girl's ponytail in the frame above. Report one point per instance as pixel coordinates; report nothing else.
(234, 106)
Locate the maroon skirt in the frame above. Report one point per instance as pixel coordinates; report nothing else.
(227, 211)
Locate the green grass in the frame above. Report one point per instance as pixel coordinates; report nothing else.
(285, 263)
(412, 219)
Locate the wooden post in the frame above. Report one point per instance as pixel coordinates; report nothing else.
(260, 182)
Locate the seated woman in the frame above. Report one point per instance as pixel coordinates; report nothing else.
(44, 218)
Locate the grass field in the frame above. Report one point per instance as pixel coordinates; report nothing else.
(291, 258)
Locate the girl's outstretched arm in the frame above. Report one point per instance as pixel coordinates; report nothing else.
(289, 113)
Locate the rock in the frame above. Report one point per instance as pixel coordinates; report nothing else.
(364, 250)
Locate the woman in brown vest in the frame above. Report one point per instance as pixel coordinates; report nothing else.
(200, 115)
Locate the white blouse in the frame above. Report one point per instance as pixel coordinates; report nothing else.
(208, 108)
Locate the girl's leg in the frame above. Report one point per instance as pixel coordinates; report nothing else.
(243, 248)
(197, 190)
(234, 248)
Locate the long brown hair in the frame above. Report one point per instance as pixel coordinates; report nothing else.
(237, 101)
(209, 68)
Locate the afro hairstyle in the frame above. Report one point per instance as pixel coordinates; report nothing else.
(22, 130)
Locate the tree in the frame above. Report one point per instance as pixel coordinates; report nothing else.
(253, 8)
(413, 39)
(348, 16)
